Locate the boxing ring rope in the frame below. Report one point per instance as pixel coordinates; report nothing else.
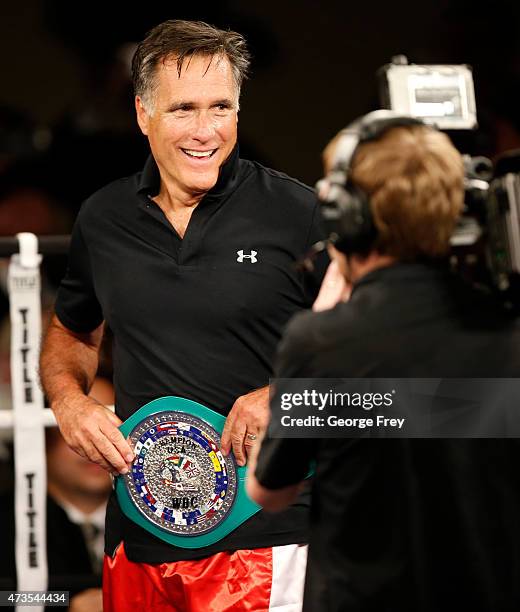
(28, 417)
(7, 418)
(47, 245)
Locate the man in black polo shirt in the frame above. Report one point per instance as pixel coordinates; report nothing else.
(191, 264)
(402, 525)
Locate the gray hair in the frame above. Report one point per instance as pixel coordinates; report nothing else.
(182, 40)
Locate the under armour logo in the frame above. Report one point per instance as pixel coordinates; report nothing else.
(251, 256)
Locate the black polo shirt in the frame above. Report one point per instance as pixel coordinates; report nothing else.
(405, 525)
(199, 317)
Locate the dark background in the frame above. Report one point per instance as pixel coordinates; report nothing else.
(66, 109)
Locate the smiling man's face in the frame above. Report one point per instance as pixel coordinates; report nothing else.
(192, 125)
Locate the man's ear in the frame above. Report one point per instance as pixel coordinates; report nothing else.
(142, 115)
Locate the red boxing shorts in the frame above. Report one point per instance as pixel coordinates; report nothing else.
(258, 580)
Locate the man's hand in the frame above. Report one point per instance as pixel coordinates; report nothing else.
(91, 430)
(68, 365)
(334, 289)
(272, 500)
(245, 424)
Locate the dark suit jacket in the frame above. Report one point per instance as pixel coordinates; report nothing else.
(402, 525)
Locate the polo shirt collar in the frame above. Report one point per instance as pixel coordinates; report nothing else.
(150, 179)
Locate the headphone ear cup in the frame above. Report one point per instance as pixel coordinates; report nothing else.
(356, 227)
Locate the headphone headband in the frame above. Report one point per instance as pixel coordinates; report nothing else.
(363, 129)
(345, 207)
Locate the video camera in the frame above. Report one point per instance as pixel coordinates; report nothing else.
(486, 242)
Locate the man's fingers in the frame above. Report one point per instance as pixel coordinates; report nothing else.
(103, 433)
(250, 442)
(113, 418)
(117, 439)
(225, 439)
(237, 442)
(333, 288)
(94, 441)
(92, 454)
(249, 415)
(111, 453)
(92, 431)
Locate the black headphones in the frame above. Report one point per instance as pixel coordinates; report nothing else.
(345, 208)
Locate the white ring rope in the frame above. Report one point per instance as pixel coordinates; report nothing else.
(7, 418)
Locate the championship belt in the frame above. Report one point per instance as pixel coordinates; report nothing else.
(181, 488)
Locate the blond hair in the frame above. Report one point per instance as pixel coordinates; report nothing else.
(414, 179)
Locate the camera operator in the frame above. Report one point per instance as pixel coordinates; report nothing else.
(400, 524)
